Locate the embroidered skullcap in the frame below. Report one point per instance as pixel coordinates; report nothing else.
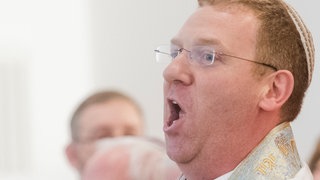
(305, 37)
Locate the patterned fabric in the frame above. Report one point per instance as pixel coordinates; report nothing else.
(276, 157)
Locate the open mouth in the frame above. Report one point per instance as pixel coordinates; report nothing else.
(175, 110)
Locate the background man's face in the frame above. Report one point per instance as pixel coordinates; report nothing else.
(105, 120)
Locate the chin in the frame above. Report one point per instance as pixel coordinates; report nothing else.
(176, 157)
(177, 153)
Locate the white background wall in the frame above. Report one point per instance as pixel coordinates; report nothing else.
(69, 48)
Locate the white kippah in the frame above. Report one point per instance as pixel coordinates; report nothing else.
(305, 37)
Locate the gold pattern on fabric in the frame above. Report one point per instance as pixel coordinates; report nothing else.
(276, 157)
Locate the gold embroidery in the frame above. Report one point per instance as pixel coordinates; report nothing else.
(275, 157)
(267, 164)
(284, 145)
(293, 145)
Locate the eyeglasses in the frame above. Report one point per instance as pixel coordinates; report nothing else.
(200, 55)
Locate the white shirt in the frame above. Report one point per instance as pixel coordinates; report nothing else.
(225, 176)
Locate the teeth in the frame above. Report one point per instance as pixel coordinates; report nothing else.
(174, 102)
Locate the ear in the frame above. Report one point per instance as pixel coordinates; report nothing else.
(277, 90)
(72, 155)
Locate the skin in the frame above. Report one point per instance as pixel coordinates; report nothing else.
(137, 159)
(316, 173)
(225, 110)
(104, 120)
(110, 119)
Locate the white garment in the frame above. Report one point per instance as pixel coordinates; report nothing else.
(303, 174)
(225, 176)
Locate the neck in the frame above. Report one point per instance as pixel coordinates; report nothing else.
(217, 162)
(222, 158)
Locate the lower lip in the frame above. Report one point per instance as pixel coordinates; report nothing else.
(174, 126)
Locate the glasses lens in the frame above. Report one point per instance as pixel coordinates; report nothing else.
(202, 55)
(163, 54)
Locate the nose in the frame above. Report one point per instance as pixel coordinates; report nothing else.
(179, 71)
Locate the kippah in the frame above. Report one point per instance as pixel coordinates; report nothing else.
(305, 37)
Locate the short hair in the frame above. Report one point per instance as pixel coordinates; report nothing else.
(147, 158)
(279, 44)
(97, 98)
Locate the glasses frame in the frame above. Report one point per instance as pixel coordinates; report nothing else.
(219, 53)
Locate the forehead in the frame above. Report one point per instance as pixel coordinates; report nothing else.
(113, 112)
(224, 26)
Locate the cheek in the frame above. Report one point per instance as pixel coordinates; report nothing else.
(213, 95)
(222, 99)
(86, 151)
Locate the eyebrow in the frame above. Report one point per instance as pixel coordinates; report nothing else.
(175, 41)
(202, 41)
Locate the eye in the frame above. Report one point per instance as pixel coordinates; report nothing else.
(204, 55)
(102, 133)
(208, 57)
(130, 132)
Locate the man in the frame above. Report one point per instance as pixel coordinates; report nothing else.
(102, 115)
(131, 158)
(237, 79)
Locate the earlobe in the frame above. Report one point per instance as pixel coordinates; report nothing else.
(278, 89)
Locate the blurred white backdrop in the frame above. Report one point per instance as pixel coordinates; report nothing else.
(54, 53)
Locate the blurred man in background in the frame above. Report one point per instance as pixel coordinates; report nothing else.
(104, 114)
